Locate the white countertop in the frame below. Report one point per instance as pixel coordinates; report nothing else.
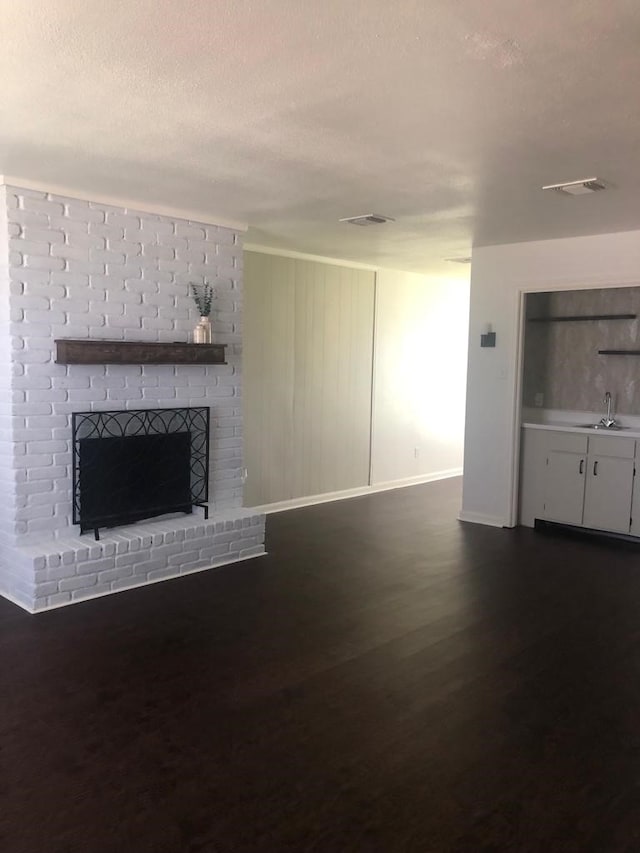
(561, 426)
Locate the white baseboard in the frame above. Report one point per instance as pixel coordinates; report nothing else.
(327, 497)
(481, 518)
(15, 601)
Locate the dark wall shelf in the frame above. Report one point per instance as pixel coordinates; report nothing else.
(582, 318)
(619, 352)
(86, 351)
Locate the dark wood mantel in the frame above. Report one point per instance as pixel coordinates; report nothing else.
(87, 351)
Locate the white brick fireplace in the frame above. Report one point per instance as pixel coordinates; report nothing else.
(79, 269)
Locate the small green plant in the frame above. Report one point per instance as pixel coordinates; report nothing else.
(202, 296)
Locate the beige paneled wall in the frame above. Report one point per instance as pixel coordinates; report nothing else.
(308, 373)
(269, 377)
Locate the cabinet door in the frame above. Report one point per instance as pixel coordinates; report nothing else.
(564, 487)
(607, 503)
(533, 467)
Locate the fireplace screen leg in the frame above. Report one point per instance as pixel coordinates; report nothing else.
(204, 507)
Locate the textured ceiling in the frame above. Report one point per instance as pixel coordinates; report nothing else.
(289, 114)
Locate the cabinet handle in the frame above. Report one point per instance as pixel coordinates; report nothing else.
(595, 468)
(581, 466)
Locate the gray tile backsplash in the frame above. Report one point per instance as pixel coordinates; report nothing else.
(561, 360)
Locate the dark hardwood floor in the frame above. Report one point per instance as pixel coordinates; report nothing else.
(387, 679)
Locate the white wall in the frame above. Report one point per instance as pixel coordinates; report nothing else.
(420, 368)
(499, 276)
(334, 418)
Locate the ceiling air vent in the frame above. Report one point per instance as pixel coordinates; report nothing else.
(582, 187)
(368, 219)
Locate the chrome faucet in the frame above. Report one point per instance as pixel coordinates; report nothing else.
(608, 421)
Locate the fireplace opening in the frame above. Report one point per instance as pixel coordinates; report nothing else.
(131, 465)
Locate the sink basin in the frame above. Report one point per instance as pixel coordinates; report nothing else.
(615, 428)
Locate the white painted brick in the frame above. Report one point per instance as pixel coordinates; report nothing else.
(70, 279)
(80, 594)
(70, 584)
(40, 205)
(86, 267)
(254, 551)
(129, 323)
(83, 395)
(106, 257)
(143, 286)
(245, 542)
(162, 574)
(195, 232)
(73, 380)
(129, 270)
(122, 394)
(173, 266)
(222, 236)
(119, 220)
(59, 598)
(157, 227)
(29, 217)
(104, 230)
(32, 383)
(126, 583)
(155, 252)
(95, 565)
(29, 247)
(127, 560)
(68, 225)
(47, 588)
(40, 303)
(110, 309)
(59, 573)
(214, 551)
(106, 332)
(155, 323)
(76, 306)
(148, 566)
(121, 544)
(115, 574)
(46, 394)
(49, 317)
(83, 212)
(86, 241)
(70, 252)
(183, 557)
(40, 262)
(43, 421)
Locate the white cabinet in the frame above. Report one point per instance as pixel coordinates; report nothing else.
(635, 505)
(579, 479)
(564, 487)
(609, 488)
(564, 476)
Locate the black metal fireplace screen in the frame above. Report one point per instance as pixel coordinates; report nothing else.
(130, 465)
